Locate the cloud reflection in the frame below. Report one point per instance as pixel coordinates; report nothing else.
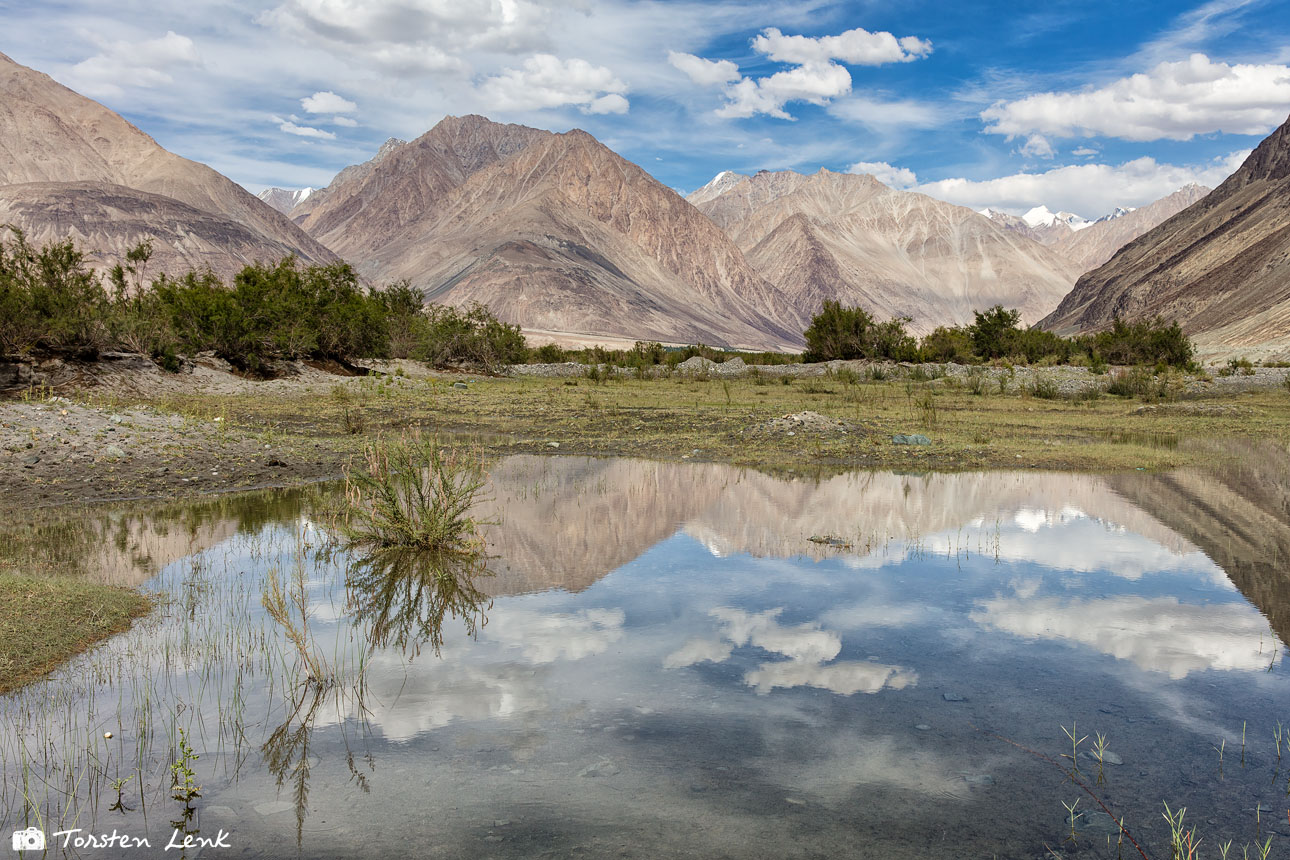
(1158, 634)
(807, 647)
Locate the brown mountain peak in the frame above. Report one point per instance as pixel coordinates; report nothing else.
(78, 149)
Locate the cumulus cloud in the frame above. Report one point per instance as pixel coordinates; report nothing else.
(407, 37)
(706, 73)
(327, 102)
(895, 177)
(1037, 146)
(121, 64)
(857, 47)
(1174, 101)
(344, 121)
(546, 81)
(1089, 188)
(815, 84)
(816, 77)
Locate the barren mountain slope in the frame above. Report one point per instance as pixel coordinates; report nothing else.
(49, 134)
(896, 253)
(566, 236)
(104, 220)
(405, 184)
(1098, 242)
(1221, 267)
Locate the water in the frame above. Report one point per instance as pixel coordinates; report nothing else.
(664, 665)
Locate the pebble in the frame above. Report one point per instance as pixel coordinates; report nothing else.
(923, 727)
(952, 697)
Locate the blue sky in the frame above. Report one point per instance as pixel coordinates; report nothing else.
(1077, 105)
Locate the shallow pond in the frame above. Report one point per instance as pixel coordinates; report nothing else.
(661, 662)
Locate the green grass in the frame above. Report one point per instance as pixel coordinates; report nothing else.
(44, 622)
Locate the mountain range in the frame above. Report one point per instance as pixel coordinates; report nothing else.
(71, 168)
(559, 234)
(849, 238)
(1220, 267)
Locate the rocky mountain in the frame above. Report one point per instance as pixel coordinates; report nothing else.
(284, 199)
(719, 184)
(1091, 247)
(554, 232)
(1089, 244)
(897, 253)
(1220, 267)
(71, 168)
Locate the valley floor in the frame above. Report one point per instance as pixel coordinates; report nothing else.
(139, 433)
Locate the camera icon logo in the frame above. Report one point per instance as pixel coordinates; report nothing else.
(31, 839)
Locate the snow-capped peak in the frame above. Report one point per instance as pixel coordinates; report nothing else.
(1040, 216)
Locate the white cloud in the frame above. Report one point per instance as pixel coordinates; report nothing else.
(327, 102)
(858, 47)
(816, 84)
(1084, 152)
(408, 37)
(1089, 188)
(546, 81)
(344, 121)
(816, 77)
(887, 174)
(1037, 146)
(1157, 634)
(303, 130)
(1174, 100)
(706, 73)
(121, 64)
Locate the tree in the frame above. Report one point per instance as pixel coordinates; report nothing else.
(838, 332)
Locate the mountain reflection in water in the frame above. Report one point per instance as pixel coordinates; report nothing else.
(654, 658)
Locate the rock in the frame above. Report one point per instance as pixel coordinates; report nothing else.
(978, 779)
(29, 462)
(115, 419)
(604, 767)
(830, 540)
(113, 452)
(952, 697)
(923, 727)
(273, 807)
(910, 439)
(697, 364)
(460, 385)
(18, 374)
(126, 361)
(553, 444)
(275, 463)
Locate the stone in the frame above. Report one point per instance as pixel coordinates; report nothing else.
(460, 385)
(605, 767)
(274, 807)
(910, 439)
(952, 697)
(113, 452)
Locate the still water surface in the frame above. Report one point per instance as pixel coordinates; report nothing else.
(661, 663)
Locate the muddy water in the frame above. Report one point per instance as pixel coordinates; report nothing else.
(660, 662)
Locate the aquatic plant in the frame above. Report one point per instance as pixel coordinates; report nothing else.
(183, 779)
(1070, 733)
(409, 493)
(291, 611)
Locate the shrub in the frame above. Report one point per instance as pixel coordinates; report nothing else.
(948, 345)
(838, 332)
(1147, 342)
(1045, 388)
(409, 494)
(473, 337)
(49, 300)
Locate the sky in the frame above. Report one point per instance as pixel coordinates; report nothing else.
(1079, 106)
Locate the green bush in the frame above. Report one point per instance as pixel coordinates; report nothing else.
(1148, 342)
(473, 336)
(847, 333)
(50, 301)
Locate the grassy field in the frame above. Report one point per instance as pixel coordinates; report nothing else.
(45, 621)
(733, 420)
